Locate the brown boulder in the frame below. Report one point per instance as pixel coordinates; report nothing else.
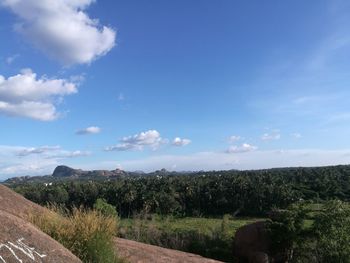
(253, 244)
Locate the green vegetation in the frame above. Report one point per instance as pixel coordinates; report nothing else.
(208, 194)
(177, 211)
(88, 234)
(104, 208)
(204, 236)
(326, 239)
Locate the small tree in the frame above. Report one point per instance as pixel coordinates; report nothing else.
(104, 208)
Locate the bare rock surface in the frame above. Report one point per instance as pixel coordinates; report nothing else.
(136, 252)
(22, 242)
(17, 205)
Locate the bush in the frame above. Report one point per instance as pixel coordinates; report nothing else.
(106, 209)
(332, 231)
(88, 234)
(314, 236)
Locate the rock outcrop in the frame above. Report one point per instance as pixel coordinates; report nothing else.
(252, 243)
(65, 171)
(20, 241)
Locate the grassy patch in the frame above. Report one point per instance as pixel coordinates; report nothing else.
(208, 237)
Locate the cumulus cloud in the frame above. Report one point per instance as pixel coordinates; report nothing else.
(151, 139)
(180, 142)
(25, 95)
(62, 29)
(89, 130)
(245, 147)
(271, 136)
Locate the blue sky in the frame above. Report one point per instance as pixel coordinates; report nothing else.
(181, 85)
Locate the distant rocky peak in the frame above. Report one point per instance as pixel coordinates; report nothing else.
(64, 171)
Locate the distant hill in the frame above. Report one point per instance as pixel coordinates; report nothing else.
(63, 172)
(66, 173)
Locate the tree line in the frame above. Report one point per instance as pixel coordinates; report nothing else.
(215, 193)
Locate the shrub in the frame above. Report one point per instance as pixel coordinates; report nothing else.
(106, 209)
(332, 231)
(88, 234)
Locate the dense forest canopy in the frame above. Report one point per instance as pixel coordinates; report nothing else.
(213, 193)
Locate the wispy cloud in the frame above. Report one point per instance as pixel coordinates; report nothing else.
(19, 160)
(89, 130)
(296, 135)
(11, 59)
(38, 150)
(271, 136)
(245, 147)
(234, 138)
(121, 97)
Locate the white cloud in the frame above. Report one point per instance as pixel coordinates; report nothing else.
(68, 154)
(89, 130)
(234, 138)
(10, 59)
(180, 142)
(49, 152)
(25, 95)
(62, 29)
(271, 136)
(296, 135)
(245, 147)
(37, 150)
(151, 139)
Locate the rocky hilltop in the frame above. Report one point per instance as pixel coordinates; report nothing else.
(65, 171)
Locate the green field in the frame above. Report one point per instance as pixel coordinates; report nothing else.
(209, 237)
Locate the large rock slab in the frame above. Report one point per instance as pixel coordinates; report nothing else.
(22, 242)
(136, 252)
(17, 205)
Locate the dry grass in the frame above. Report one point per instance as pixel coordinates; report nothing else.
(87, 233)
